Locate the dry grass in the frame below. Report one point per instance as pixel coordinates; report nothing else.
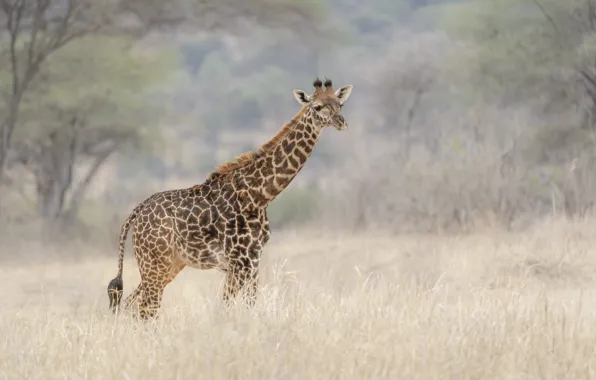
(484, 306)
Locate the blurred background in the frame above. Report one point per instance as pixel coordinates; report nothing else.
(465, 115)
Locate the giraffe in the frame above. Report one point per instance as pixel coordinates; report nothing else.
(222, 223)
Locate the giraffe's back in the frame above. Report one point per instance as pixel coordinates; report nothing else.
(185, 226)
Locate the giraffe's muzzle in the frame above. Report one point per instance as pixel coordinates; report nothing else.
(340, 123)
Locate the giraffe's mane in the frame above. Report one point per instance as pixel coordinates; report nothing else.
(247, 158)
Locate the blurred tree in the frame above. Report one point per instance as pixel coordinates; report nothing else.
(37, 29)
(88, 103)
(529, 51)
(406, 77)
(195, 53)
(536, 54)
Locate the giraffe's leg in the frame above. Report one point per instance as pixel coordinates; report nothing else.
(153, 286)
(150, 300)
(133, 297)
(251, 288)
(241, 278)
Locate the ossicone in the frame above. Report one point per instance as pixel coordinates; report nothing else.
(328, 85)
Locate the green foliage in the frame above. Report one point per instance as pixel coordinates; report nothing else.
(103, 81)
(372, 21)
(293, 206)
(301, 16)
(519, 50)
(215, 73)
(231, 106)
(195, 53)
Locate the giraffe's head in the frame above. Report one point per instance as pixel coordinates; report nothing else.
(325, 105)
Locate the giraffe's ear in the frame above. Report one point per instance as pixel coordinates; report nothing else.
(302, 97)
(343, 93)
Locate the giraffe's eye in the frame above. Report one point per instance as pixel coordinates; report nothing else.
(318, 108)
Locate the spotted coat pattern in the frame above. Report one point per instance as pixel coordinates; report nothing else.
(222, 223)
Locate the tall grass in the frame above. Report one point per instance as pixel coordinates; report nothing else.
(483, 306)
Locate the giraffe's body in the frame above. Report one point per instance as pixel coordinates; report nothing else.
(222, 224)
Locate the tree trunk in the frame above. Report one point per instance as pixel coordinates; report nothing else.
(54, 172)
(6, 130)
(78, 194)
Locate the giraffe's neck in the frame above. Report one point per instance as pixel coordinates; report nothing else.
(271, 173)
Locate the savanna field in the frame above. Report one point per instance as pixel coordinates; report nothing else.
(444, 226)
(487, 305)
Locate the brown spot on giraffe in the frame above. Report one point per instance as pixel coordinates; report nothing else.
(222, 223)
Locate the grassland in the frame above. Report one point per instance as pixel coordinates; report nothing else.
(489, 305)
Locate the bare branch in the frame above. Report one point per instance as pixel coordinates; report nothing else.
(81, 189)
(421, 90)
(42, 6)
(590, 83)
(548, 17)
(13, 25)
(66, 183)
(591, 15)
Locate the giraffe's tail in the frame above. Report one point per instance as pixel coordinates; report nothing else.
(116, 286)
